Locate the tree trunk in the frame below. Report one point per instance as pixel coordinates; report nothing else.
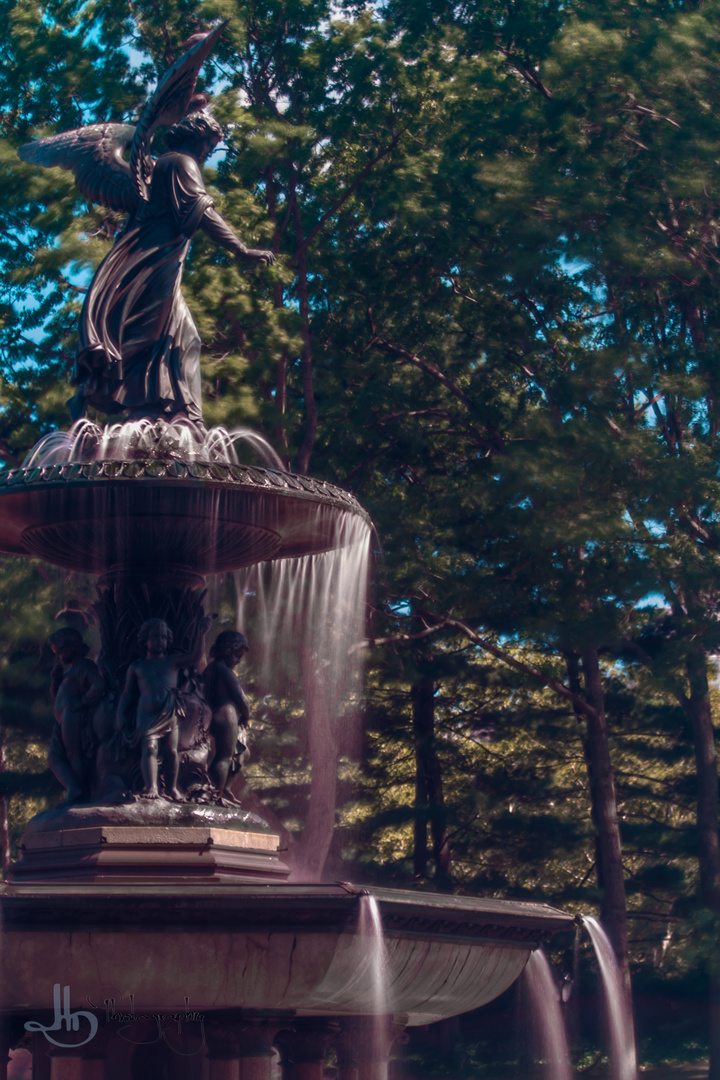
(603, 808)
(418, 697)
(698, 710)
(4, 831)
(429, 799)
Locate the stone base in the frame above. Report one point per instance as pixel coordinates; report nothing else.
(149, 841)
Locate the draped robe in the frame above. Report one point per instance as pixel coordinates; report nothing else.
(138, 347)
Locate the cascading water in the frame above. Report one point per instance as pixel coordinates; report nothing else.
(358, 984)
(176, 440)
(548, 1027)
(359, 974)
(623, 1058)
(303, 617)
(314, 604)
(371, 941)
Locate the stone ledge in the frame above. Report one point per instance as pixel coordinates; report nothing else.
(156, 836)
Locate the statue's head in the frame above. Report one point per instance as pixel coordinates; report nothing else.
(197, 134)
(67, 640)
(227, 643)
(155, 631)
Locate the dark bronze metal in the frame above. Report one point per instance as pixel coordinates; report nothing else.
(138, 347)
(229, 704)
(78, 688)
(144, 706)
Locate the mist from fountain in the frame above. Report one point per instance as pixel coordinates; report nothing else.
(175, 440)
(623, 1057)
(547, 1022)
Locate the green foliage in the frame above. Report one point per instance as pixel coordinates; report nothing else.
(494, 315)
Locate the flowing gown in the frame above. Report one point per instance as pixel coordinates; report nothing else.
(138, 347)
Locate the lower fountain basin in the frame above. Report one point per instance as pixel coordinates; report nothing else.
(213, 517)
(269, 948)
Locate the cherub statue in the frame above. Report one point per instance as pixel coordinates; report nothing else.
(138, 348)
(150, 705)
(78, 687)
(230, 712)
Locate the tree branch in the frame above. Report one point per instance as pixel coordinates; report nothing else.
(576, 700)
(346, 194)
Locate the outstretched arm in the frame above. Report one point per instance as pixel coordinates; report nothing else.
(219, 231)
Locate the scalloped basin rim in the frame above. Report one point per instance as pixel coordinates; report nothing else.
(212, 517)
(194, 472)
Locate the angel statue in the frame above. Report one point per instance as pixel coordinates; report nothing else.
(138, 347)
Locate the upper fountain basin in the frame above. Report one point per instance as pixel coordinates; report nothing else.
(209, 516)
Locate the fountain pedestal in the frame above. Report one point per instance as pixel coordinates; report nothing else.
(173, 925)
(132, 853)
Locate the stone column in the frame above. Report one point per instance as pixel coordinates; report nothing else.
(304, 1047)
(223, 1068)
(41, 1058)
(365, 1045)
(347, 1056)
(222, 1053)
(65, 1067)
(93, 1068)
(255, 1048)
(239, 1048)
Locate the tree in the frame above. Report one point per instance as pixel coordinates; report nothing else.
(494, 317)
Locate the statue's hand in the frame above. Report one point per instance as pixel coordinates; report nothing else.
(267, 258)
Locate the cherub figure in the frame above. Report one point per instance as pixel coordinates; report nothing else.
(138, 348)
(77, 687)
(230, 711)
(150, 705)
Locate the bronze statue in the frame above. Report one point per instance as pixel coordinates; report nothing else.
(151, 705)
(138, 348)
(77, 687)
(230, 711)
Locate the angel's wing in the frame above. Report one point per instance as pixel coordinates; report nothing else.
(171, 101)
(94, 153)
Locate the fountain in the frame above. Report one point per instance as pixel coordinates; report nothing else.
(151, 926)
